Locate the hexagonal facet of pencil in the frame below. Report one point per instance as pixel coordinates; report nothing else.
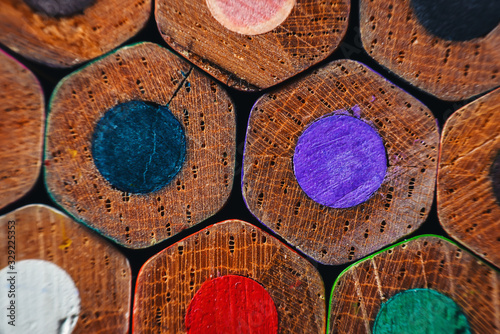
(229, 277)
(423, 285)
(64, 277)
(22, 116)
(143, 152)
(446, 48)
(468, 183)
(251, 45)
(64, 33)
(340, 163)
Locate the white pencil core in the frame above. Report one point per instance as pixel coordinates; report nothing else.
(45, 298)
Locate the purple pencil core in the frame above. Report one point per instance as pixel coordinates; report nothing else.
(340, 161)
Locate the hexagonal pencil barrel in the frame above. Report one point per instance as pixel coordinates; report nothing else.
(63, 277)
(140, 145)
(22, 117)
(251, 45)
(468, 187)
(229, 277)
(449, 49)
(423, 285)
(64, 33)
(340, 163)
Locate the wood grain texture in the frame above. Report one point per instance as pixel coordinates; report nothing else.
(428, 262)
(335, 236)
(144, 72)
(67, 41)
(450, 70)
(312, 31)
(22, 116)
(169, 280)
(100, 272)
(467, 206)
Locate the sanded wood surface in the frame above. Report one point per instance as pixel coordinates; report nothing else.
(450, 70)
(401, 204)
(468, 208)
(69, 40)
(101, 273)
(426, 262)
(22, 115)
(144, 72)
(167, 282)
(311, 32)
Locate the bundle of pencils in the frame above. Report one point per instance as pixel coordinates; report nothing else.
(271, 166)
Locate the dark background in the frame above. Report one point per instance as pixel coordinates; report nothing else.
(235, 208)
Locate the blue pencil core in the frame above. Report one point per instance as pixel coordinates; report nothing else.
(457, 20)
(138, 147)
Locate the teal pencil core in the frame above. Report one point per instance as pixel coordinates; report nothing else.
(138, 147)
(420, 311)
